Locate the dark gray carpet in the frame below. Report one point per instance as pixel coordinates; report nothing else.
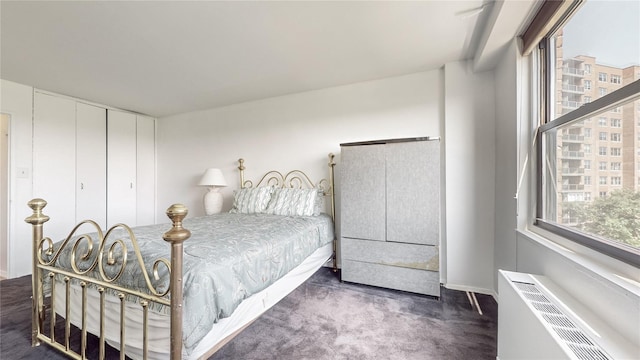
(322, 319)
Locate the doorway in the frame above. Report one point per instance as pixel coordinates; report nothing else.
(4, 195)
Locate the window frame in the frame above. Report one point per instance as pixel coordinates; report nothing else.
(606, 103)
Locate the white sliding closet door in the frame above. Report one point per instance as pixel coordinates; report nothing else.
(146, 170)
(121, 168)
(91, 163)
(54, 161)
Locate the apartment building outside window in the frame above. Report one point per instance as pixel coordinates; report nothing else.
(612, 103)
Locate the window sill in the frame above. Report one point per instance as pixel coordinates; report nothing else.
(613, 271)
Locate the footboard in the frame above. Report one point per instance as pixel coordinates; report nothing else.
(98, 270)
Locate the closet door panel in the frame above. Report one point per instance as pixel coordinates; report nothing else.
(91, 163)
(363, 192)
(145, 170)
(121, 168)
(413, 199)
(54, 161)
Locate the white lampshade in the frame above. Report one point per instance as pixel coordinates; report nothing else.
(212, 177)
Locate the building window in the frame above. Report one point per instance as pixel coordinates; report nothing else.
(559, 154)
(602, 121)
(617, 137)
(616, 123)
(602, 165)
(587, 164)
(587, 132)
(587, 196)
(602, 151)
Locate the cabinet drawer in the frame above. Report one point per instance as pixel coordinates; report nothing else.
(392, 277)
(413, 256)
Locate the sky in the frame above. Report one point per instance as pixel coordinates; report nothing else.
(607, 30)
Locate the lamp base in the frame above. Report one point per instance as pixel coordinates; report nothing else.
(212, 201)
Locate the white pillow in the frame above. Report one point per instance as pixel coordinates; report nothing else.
(293, 202)
(251, 200)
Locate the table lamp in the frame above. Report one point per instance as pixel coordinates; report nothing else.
(213, 179)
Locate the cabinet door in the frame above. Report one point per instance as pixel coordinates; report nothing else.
(54, 161)
(146, 170)
(413, 196)
(91, 163)
(362, 170)
(121, 168)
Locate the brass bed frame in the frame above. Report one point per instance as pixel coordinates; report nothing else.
(44, 271)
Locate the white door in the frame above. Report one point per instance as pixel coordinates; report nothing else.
(91, 164)
(54, 161)
(121, 168)
(146, 170)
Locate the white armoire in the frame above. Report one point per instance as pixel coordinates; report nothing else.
(84, 155)
(390, 214)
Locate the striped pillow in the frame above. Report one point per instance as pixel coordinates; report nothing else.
(251, 200)
(293, 202)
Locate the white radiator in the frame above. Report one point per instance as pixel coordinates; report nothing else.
(537, 320)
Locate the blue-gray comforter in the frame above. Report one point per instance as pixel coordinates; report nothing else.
(228, 258)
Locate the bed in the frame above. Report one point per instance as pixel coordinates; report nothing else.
(181, 290)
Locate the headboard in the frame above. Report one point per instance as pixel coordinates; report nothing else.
(295, 179)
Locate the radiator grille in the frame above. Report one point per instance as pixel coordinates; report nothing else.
(572, 336)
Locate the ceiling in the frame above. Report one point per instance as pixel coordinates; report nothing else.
(168, 57)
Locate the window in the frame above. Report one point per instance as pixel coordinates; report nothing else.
(602, 121)
(602, 151)
(570, 43)
(617, 137)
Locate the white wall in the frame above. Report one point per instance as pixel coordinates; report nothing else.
(289, 132)
(17, 101)
(298, 130)
(506, 177)
(469, 132)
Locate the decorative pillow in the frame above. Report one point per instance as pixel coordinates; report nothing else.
(319, 206)
(251, 200)
(293, 202)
